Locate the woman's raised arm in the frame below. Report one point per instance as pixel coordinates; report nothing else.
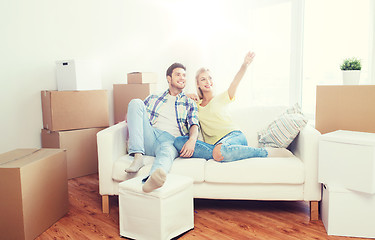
(237, 79)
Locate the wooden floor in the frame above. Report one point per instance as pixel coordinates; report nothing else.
(214, 219)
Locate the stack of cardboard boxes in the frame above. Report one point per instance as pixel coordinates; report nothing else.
(347, 170)
(140, 85)
(345, 116)
(71, 119)
(33, 182)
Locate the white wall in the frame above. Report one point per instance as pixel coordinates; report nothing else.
(34, 34)
(141, 35)
(124, 35)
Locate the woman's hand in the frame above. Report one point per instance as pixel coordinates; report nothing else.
(249, 58)
(233, 86)
(193, 96)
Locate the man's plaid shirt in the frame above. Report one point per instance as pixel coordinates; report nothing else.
(186, 110)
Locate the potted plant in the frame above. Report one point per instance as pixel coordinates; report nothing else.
(351, 70)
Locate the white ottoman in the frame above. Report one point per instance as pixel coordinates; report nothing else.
(161, 214)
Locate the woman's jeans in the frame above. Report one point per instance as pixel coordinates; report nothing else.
(145, 139)
(234, 147)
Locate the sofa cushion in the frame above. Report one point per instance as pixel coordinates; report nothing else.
(190, 167)
(119, 166)
(282, 131)
(251, 120)
(287, 170)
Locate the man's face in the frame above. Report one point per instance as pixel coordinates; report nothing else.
(177, 80)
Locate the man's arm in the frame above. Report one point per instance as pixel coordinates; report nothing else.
(192, 119)
(188, 148)
(193, 96)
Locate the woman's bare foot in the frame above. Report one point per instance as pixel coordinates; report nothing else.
(278, 152)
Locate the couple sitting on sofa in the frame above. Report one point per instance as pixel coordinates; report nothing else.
(166, 125)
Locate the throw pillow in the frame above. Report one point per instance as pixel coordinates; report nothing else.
(282, 131)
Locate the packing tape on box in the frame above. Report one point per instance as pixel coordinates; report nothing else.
(21, 157)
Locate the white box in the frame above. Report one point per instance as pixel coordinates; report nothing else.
(161, 214)
(348, 213)
(76, 75)
(347, 158)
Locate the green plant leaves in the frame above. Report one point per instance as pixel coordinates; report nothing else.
(351, 64)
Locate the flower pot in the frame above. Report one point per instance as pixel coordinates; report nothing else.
(351, 77)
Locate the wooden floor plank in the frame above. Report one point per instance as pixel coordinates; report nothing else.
(213, 219)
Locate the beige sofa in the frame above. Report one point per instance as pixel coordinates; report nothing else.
(289, 178)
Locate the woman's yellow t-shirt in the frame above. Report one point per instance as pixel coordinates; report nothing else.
(215, 119)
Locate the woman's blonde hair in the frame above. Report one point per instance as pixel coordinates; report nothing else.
(200, 71)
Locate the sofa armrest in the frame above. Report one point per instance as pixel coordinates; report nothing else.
(112, 144)
(306, 148)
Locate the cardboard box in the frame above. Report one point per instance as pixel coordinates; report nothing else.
(82, 153)
(123, 93)
(347, 158)
(345, 108)
(142, 77)
(73, 75)
(74, 109)
(33, 191)
(348, 213)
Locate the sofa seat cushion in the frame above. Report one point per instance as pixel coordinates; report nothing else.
(119, 166)
(190, 167)
(254, 119)
(286, 170)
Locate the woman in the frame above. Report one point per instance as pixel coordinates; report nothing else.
(223, 139)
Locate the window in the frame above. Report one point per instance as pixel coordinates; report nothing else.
(269, 78)
(299, 44)
(333, 30)
(217, 35)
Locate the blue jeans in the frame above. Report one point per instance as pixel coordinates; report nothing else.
(234, 147)
(145, 139)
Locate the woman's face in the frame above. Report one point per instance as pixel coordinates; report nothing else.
(205, 82)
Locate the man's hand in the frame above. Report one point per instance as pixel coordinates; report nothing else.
(188, 148)
(193, 96)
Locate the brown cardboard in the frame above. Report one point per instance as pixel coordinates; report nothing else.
(123, 93)
(142, 77)
(348, 107)
(33, 191)
(82, 153)
(67, 110)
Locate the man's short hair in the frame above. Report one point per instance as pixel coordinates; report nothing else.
(172, 67)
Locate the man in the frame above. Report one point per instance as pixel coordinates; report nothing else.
(154, 124)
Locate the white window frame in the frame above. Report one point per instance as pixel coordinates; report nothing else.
(372, 43)
(296, 59)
